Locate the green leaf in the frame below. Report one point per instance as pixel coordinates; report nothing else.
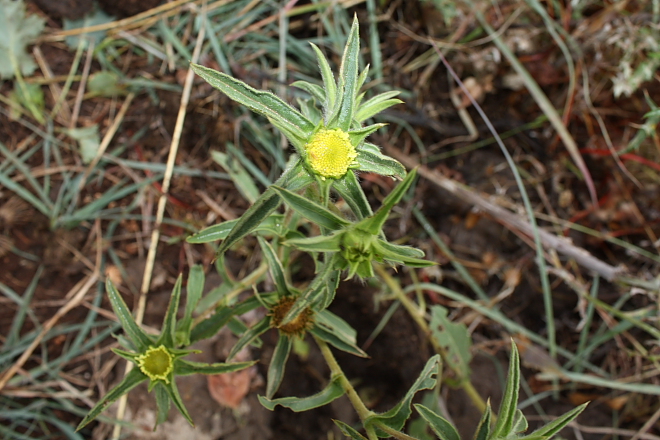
(210, 326)
(337, 332)
(130, 381)
(454, 338)
(314, 290)
(173, 392)
(313, 89)
(105, 83)
(374, 224)
(167, 335)
(376, 105)
(519, 423)
(270, 226)
(399, 254)
(483, 428)
(262, 102)
(371, 160)
(548, 431)
(311, 211)
(397, 416)
(331, 338)
(277, 365)
(96, 17)
(186, 368)
(360, 134)
(348, 431)
(195, 288)
(442, 428)
(250, 335)
(349, 74)
(319, 243)
(507, 413)
(30, 97)
(137, 336)
(239, 175)
(17, 31)
(274, 267)
(328, 79)
(299, 404)
(213, 233)
(349, 188)
(88, 140)
(162, 404)
(293, 179)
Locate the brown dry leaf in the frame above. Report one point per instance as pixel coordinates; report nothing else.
(229, 389)
(113, 273)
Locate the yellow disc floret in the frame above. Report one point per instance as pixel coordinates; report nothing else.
(330, 153)
(156, 363)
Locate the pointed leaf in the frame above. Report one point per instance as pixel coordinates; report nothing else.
(167, 335)
(293, 178)
(507, 412)
(173, 392)
(398, 255)
(313, 89)
(311, 211)
(376, 105)
(442, 428)
(319, 243)
(337, 328)
(314, 290)
(403, 251)
(349, 188)
(212, 233)
(194, 294)
(250, 335)
(131, 380)
(277, 365)
(299, 404)
(187, 368)
(371, 160)
(348, 431)
(212, 325)
(329, 84)
(454, 338)
(519, 423)
(548, 431)
(337, 342)
(262, 102)
(270, 226)
(483, 428)
(274, 267)
(349, 74)
(374, 224)
(397, 416)
(359, 135)
(162, 404)
(137, 336)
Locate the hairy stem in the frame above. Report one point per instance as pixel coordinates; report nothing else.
(336, 371)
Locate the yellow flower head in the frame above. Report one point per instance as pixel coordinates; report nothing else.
(157, 363)
(330, 153)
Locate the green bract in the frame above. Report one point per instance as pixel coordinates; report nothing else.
(158, 360)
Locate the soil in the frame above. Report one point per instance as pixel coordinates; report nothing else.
(61, 256)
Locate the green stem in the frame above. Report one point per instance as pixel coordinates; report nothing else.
(394, 433)
(335, 370)
(418, 316)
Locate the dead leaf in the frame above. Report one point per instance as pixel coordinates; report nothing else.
(229, 389)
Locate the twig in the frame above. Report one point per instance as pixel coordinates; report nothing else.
(562, 245)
